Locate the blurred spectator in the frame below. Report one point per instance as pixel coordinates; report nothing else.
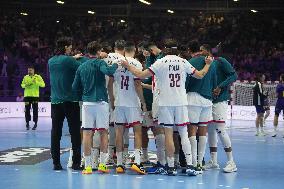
(4, 66)
(20, 98)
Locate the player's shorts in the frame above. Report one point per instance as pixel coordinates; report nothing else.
(219, 112)
(200, 115)
(259, 109)
(129, 116)
(170, 116)
(279, 107)
(95, 116)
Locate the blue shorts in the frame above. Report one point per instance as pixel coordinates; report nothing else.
(279, 107)
(260, 109)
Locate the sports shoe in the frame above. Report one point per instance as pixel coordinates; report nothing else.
(157, 169)
(191, 171)
(211, 165)
(146, 163)
(77, 167)
(172, 171)
(95, 164)
(257, 134)
(87, 171)
(263, 133)
(120, 169)
(138, 169)
(103, 168)
(230, 167)
(27, 126)
(35, 126)
(274, 134)
(199, 169)
(110, 160)
(57, 167)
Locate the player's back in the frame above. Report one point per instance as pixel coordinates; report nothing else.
(124, 83)
(280, 91)
(171, 72)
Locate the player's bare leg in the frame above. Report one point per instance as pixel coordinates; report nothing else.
(275, 124)
(259, 124)
(145, 142)
(177, 147)
(103, 151)
(119, 129)
(87, 144)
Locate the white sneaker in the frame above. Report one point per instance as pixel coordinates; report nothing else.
(230, 167)
(95, 164)
(263, 133)
(257, 134)
(110, 160)
(211, 165)
(70, 161)
(274, 134)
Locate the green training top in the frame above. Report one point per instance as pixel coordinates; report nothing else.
(226, 75)
(90, 82)
(203, 86)
(62, 71)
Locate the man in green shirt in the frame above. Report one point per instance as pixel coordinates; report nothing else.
(226, 75)
(91, 83)
(31, 84)
(64, 101)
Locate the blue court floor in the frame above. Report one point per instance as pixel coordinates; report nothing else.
(25, 163)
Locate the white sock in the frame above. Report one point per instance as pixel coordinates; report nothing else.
(261, 128)
(95, 155)
(137, 154)
(193, 143)
(186, 145)
(275, 129)
(161, 152)
(119, 158)
(230, 156)
(103, 157)
(145, 154)
(257, 130)
(171, 161)
(70, 154)
(111, 150)
(214, 157)
(201, 148)
(176, 157)
(88, 161)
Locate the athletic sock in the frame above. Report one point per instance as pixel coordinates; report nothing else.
(171, 161)
(201, 148)
(230, 156)
(161, 152)
(88, 161)
(103, 157)
(193, 143)
(214, 157)
(145, 154)
(119, 158)
(176, 158)
(137, 154)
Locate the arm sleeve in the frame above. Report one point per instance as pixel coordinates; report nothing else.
(39, 81)
(23, 84)
(154, 68)
(230, 72)
(76, 85)
(108, 70)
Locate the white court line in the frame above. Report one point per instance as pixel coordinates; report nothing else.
(221, 185)
(16, 169)
(115, 175)
(12, 132)
(180, 181)
(138, 177)
(58, 171)
(160, 179)
(228, 186)
(74, 172)
(200, 183)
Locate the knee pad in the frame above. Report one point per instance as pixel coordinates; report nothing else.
(224, 137)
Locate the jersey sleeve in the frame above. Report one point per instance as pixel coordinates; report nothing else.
(189, 69)
(107, 70)
(155, 68)
(230, 72)
(139, 67)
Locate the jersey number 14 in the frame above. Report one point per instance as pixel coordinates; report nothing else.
(124, 82)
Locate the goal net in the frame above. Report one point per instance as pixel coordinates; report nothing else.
(242, 93)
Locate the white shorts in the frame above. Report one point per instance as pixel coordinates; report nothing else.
(173, 115)
(219, 112)
(127, 116)
(95, 115)
(200, 115)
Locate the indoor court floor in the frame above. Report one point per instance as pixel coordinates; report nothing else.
(25, 163)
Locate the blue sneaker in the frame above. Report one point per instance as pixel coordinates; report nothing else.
(191, 171)
(157, 169)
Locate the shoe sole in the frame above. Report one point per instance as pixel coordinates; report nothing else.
(104, 171)
(234, 170)
(84, 173)
(137, 170)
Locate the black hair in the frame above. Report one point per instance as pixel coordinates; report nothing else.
(282, 77)
(93, 47)
(119, 44)
(148, 45)
(194, 46)
(207, 47)
(106, 47)
(61, 43)
(171, 47)
(129, 46)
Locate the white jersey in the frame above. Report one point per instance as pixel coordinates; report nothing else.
(171, 72)
(125, 87)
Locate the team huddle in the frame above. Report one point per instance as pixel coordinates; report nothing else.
(183, 100)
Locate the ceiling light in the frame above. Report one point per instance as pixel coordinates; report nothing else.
(24, 13)
(91, 12)
(60, 2)
(122, 21)
(145, 2)
(170, 11)
(254, 11)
